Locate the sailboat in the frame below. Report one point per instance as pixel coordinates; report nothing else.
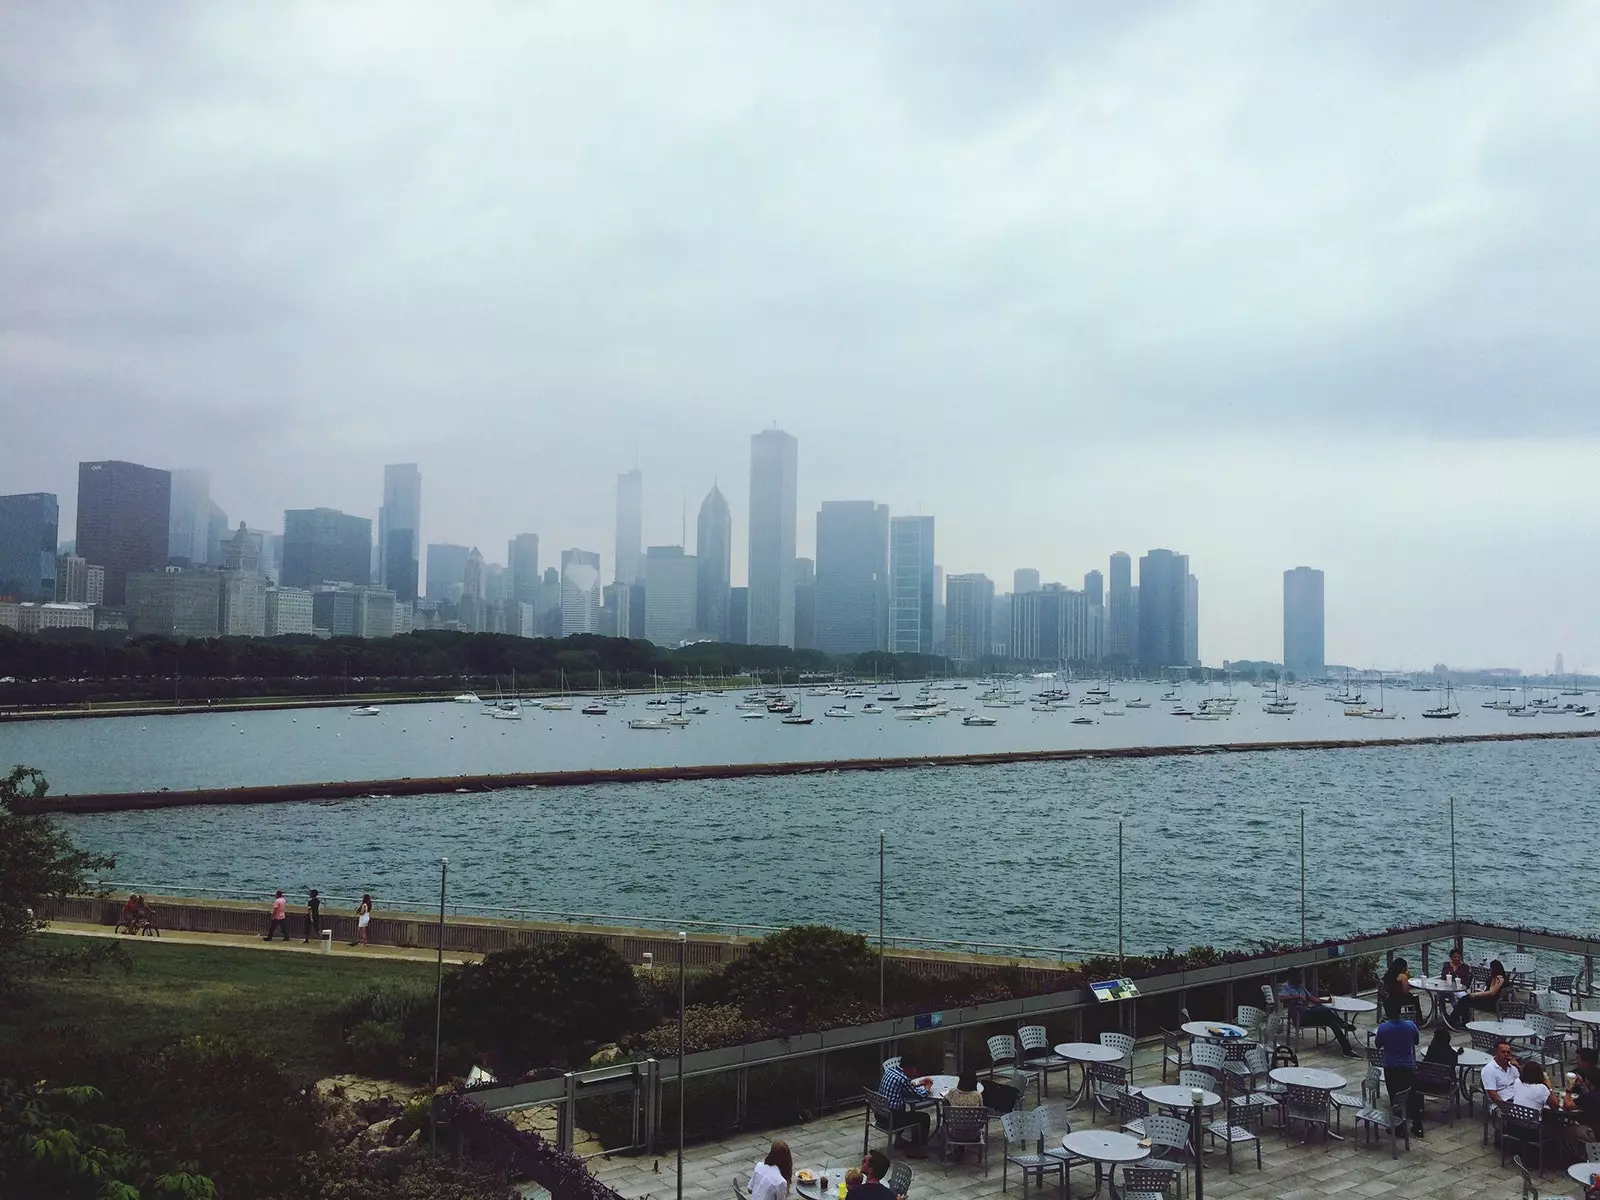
(1377, 714)
(562, 704)
(1446, 710)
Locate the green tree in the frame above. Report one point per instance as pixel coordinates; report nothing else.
(38, 862)
(805, 976)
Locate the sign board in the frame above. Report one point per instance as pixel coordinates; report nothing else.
(928, 1020)
(1114, 989)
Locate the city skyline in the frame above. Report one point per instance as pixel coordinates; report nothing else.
(1006, 268)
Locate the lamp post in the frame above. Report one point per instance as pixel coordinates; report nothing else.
(1454, 915)
(1302, 874)
(438, 994)
(683, 948)
(1195, 1129)
(880, 919)
(1119, 897)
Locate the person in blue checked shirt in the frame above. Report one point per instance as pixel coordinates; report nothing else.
(898, 1089)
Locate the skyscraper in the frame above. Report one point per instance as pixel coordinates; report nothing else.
(774, 475)
(969, 606)
(123, 518)
(324, 545)
(1191, 622)
(1122, 627)
(805, 604)
(580, 592)
(713, 552)
(630, 526)
(911, 585)
(1164, 609)
(852, 576)
(739, 616)
(29, 526)
(399, 529)
(1094, 586)
(446, 563)
(522, 562)
(1038, 625)
(473, 606)
(189, 517)
(1024, 579)
(671, 583)
(1303, 649)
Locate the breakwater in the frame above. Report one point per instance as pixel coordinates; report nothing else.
(421, 786)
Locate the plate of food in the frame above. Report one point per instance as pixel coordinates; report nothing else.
(803, 1176)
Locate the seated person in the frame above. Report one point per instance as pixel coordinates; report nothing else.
(874, 1166)
(965, 1094)
(1531, 1090)
(1500, 1075)
(1311, 1010)
(1440, 1050)
(853, 1178)
(773, 1174)
(897, 1089)
(1585, 1107)
(1457, 970)
(1498, 988)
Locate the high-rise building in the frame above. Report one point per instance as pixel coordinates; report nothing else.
(243, 552)
(244, 604)
(805, 604)
(580, 592)
(473, 600)
(969, 608)
(911, 585)
(739, 616)
(1304, 651)
(852, 576)
(616, 611)
(216, 533)
(1038, 625)
(630, 527)
(1094, 586)
(774, 476)
(174, 603)
(713, 552)
(447, 563)
(522, 561)
(547, 612)
(288, 611)
(189, 517)
(1191, 622)
(28, 531)
(123, 512)
(1164, 609)
(1000, 625)
(72, 579)
(671, 584)
(1024, 580)
(399, 529)
(1122, 627)
(324, 545)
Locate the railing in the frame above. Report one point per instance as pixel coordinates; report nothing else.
(565, 1092)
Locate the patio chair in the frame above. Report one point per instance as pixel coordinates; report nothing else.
(1269, 999)
(1005, 1064)
(1132, 1111)
(1038, 1055)
(1283, 1054)
(1530, 1190)
(1143, 1182)
(1518, 1123)
(1367, 1097)
(1242, 1071)
(1391, 1119)
(1242, 1122)
(1204, 1080)
(1172, 1051)
(1121, 1043)
(898, 1180)
(1309, 1106)
(738, 1190)
(965, 1129)
(891, 1062)
(1511, 1010)
(1484, 1041)
(1023, 1134)
(1169, 1142)
(1250, 1019)
(882, 1115)
(1437, 1081)
(1550, 1052)
(1521, 967)
(1208, 1057)
(1110, 1082)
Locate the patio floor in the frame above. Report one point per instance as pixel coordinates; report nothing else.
(1450, 1161)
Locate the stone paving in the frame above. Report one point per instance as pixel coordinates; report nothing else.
(1450, 1161)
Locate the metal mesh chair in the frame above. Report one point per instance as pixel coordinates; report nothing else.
(1250, 1019)
(1530, 1190)
(1521, 967)
(1121, 1043)
(1242, 1122)
(898, 1180)
(1484, 1041)
(1005, 1064)
(880, 1113)
(1242, 1070)
(1390, 1119)
(1109, 1082)
(965, 1129)
(1169, 1141)
(1204, 1080)
(1024, 1148)
(1519, 1123)
(1133, 1110)
(1550, 1052)
(1148, 1183)
(1172, 1051)
(1309, 1106)
(1038, 1055)
(1208, 1057)
(1367, 1097)
(1437, 1081)
(738, 1191)
(1511, 1010)
(1269, 1000)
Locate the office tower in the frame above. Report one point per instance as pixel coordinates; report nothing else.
(374, 612)
(288, 610)
(242, 552)
(630, 527)
(739, 616)
(244, 604)
(911, 585)
(616, 611)
(1094, 586)
(1038, 625)
(522, 560)
(580, 592)
(188, 517)
(1121, 625)
(174, 603)
(123, 511)
(969, 608)
(938, 609)
(216, 532)
(447, 563)
(671, 583)
(805, 604)
(1024, 580)
(399, 529)
(495, 586)
(1303, 648)
(1191, 622)
(1079, 628)
(1164, 609)
(713, 552)
(28, 532)
(72, 579)
(324, 545)
(472, 595)
(852, 576)
(271, 553)
(774, 472)
(1000, 625)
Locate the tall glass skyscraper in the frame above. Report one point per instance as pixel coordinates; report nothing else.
(1304, 652)
(969, 606)
(399, 529)
(630, 527)
(911, 585)
(28, 531)
(522, 563)
(852, 576)
(1164, 609)
(774, 474)
(713, 551)
(124, 511)
(1122, 625)
(324, 545)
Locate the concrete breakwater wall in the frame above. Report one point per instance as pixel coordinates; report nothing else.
(417, 786)
(479, 935)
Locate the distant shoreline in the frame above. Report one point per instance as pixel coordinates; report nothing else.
(285, 793)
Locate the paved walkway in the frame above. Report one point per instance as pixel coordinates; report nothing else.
(1450, 1161)
(253, 942)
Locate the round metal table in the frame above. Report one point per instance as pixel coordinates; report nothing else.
(1510, 1030)
(1214, 1031)
(1584, 1172)
(1106, 1150)
(1084, 1053)
(1311, 1077)
(1435, 989)
(1590, 1021)
(1177, 1097)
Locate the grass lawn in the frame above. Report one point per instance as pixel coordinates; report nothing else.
(285, 1003)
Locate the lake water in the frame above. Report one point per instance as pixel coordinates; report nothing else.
(438, 740)
(1021, 854)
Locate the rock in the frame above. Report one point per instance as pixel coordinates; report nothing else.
(376, 1134)
(606, 1055)
(357, 1088)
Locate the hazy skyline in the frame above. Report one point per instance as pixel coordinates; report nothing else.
(1268, 285)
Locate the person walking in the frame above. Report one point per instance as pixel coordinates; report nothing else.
(363, 919)
(279, 921)
(313, 915)
(1397, 1038)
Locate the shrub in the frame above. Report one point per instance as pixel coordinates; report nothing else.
(806, 976)
(705, 1027)
(702, 985)
(520, 1153)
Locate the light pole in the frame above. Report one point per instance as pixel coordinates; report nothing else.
(880, 919)
(438, 995)
(683, 949)
(1302, 874)
(1454, 915)
(1199, 1158)
(1119, 897)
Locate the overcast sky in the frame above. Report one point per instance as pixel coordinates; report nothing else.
(1266, 283)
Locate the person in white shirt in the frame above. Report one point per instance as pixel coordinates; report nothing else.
(1531, 1091)
(772, 1176)
(1500, 1074)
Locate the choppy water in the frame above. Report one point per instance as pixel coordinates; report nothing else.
(1021, 854)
